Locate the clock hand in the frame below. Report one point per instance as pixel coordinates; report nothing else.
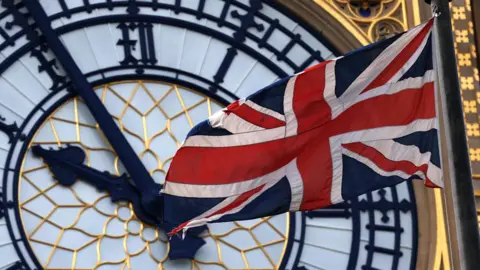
(66, 165)
(150, 194)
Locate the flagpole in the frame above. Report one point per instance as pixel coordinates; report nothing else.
(460, 175)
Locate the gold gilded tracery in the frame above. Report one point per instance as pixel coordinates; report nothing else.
(467, 66)
(369, 20)
(70, 228)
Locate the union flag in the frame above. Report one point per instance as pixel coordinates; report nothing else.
(337, 130)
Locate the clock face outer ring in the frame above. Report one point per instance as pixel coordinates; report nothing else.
(20, 249)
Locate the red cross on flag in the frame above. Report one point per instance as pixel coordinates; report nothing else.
(337, 130)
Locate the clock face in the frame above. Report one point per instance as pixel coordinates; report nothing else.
(79, 227)
(160, 67)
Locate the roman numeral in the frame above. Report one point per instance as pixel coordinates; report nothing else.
(383, 250)
(340, 210)
(227, 61)
(19, 19)
(147, 46)
(383, 228)
(4, 205)
(6, 37)
(247, 21)
(11, 130)
(47, 66)
(371, 248)
(268, 33)
(145, 42)
(384, 206)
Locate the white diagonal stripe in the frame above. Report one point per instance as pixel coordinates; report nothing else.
(264, 110)
(388, 132)
(393, 88)
(239, 139)
(235, 124)
(374, 166)
(204, 219)
(412, 59)
(399, 152)
(291, 119)
(296, 185)
(226, 190)
(329, 93)
(379, 64)
(337, 170)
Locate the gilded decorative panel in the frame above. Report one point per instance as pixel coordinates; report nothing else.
(370, 20)
(467, 66)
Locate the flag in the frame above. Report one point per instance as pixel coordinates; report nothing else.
(337, 130)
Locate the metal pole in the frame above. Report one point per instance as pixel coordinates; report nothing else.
(460, 176)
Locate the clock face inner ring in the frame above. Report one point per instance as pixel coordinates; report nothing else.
(79, 227)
